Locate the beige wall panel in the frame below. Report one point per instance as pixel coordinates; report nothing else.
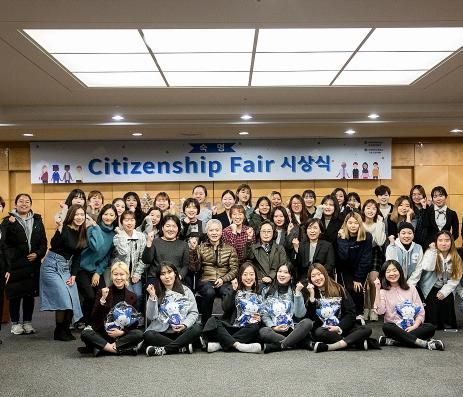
(4, 154)
(455, 179)
(171, 188)
(5, 185)
(263, 188)
(288, 188)
(455, 202)
(57, 191)
(51, 207)
(38, 206)
(20, 182)
(19, 159)
(402, 154)
(401, 182)
(439, 153)
(106, 189)
(430, 176)
(363, 188)
(322, 188)
(119, 189)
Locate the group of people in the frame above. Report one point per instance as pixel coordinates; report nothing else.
(298, 276)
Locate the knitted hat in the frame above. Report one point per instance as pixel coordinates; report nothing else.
(405, 225)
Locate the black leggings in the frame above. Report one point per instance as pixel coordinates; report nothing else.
(28, 309)
(173, 341)
(216, 330)
(425, 331)
(291, 338)
(100, 339)
(87, 292)
(355, 337)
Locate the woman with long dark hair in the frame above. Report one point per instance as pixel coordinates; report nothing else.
(58, 290)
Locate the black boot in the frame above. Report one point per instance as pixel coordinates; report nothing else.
(67, 330)
(60, 333)
(132, 351)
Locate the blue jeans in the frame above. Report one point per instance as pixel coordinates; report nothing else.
(137, 290)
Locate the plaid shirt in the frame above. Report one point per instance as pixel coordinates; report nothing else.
(238, 241)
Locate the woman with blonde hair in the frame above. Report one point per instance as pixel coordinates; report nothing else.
(100, 338)
(354, 247)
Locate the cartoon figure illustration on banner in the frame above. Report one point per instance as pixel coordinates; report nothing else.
(355, 170)
(375, 172)
(44, 174)
(55, 176)
(79, 174)
(342, 174)
(365, 173)
(67, 177)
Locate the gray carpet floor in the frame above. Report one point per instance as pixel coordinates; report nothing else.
(35, 365)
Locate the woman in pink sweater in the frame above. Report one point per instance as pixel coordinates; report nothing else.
(403, 311)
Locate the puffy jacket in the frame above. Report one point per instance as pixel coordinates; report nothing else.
(221, 263)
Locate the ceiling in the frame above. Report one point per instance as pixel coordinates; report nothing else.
(39, 96)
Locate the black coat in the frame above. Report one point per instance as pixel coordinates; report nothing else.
(330, 233)
(223, 218)
(24, 275)
(324, 254)
(451, 224)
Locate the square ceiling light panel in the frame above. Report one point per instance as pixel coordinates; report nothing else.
(198, 62)
(305, 78)
(396, 60)
(379, 77)
(122, 79)
(207, 79)
(107, 62)
(310, 40)
(88, 41)
(199, 40)
(299, 61)
(414, 39)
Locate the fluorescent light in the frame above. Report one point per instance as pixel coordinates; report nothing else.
(456, 130)
(28, 134)
(384, 77)
(292, 78)
(396, 60)
(414, 39)
(204, 79)
(118, 117)
(199, 40)
(88, 40)
(243, 133)
(373, 116)
(300, 61)
(204, 62)
(127, 79)
(107, 62)
(246, 116)
(301, 40)
(350, 132)
(137, 134)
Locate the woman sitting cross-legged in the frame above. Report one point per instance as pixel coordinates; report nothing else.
(282, 303)
(332, 310)
(403, 311)
(173, 313)
(238, 329)
(102, 336)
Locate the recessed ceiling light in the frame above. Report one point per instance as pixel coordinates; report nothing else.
(137, 134)
(373, 116)
(456, 130)
(28, 134)
(350, 132)
(246, 116)
(243, 133)
(118, 117)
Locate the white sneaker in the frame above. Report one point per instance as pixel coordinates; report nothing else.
(28, 328)
(249, 347)
(186, 349)
(213, 347)
(360, 319)
(17, 329)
